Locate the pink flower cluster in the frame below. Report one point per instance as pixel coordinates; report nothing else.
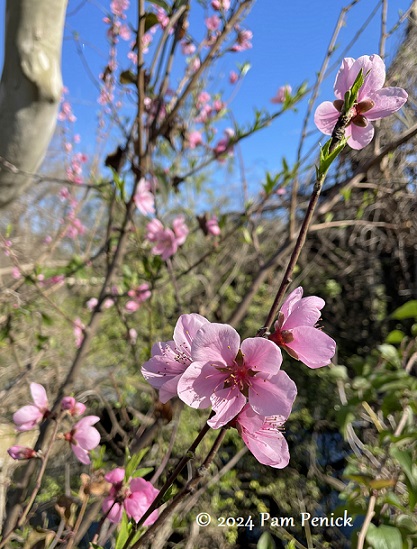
(373, 101)
(134, 496)
(207, 365)
(281, 94)
(144, 198)
(83, 437)
(138, 296)
(166, 241)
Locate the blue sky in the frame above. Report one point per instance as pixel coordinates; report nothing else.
(289, 43)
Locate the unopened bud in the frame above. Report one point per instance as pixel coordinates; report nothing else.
(21, 452)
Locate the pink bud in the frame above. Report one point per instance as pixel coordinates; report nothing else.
(21, 452)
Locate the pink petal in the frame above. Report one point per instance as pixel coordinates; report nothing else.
(198, 383)
(304, 313)
(269, 448)
(313, 347)
(325, 117)
(227, 403)
(216, 343)
(273, 396)
(115, 476)
(261, 355)
(341, 85)
(116, 510)
(359, 137)
(81, 454)
(169, 389)
(185, 330)
(291, 301)
(387, 101)
(136, 505)
(373, 71)
(27, 417)
(39, 396)
(87, 436)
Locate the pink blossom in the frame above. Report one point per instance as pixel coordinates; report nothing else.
(108, 303)
(195, 64)
(262, 435)
(243, 41)
(133, 495)
(133, 336)
(194, 139)
(227, 375)
(78, 329)
(220, 5)
(171, 358)
(83, 438)
(213, 226)
(223, 145)
(92, 303)
(28, 417)
(162, 17)
(73, 407)
(16, 274)
(373, 101)
(117, 7)
(233, 77)
(139, 295)
(212, 23)
(164, 239)
(21, 452)
(281, 94)
(180, 230)
(144, 198)
(296, 333)
(203, 97)
(124, 32)
(187, 47)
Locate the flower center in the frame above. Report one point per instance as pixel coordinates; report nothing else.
(356, 111)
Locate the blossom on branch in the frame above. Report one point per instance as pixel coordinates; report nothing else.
(28, 417)
(227, 375)
(21, 452)
(281, 94)
(263, 437)
(134, 496)
(295, 330)
(171, 358)
(373, 101)
(84, 437)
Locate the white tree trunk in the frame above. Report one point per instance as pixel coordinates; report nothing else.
(30, 89)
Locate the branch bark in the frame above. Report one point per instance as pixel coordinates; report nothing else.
(30, 89)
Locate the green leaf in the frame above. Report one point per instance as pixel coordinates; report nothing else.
(127, 77)
(390, 354)
(408, 310)
(327, 157)
(384, 537)
(353, 92)
(132, 463)
(266, 541)
(395, 337)
(142, 472)
(151, 19)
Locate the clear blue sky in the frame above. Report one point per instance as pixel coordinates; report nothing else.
(289, 43)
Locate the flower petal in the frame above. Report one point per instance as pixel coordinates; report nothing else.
(387, 101)
(115, 509)
(359, 137)
(215, 343)
(291, 301)
(272, 396)
(81, 454)
(325, 117)
(27, 417)
(39, 395)
(305, 312)
(115, 476)
(373, 71)
(261, 355)
(313, 347)
(198, 383)
(341, 83)
(227, 403)
(185, 330)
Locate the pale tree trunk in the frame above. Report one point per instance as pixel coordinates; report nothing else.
(30, 90)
